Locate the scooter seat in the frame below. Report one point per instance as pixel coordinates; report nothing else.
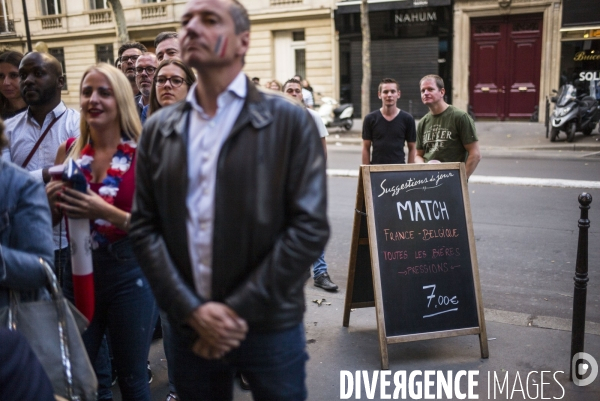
(588, 102)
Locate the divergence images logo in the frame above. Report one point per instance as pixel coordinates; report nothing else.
(586, 364)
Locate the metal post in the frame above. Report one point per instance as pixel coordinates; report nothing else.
(26, 20)
(581, 280)
(547, 118)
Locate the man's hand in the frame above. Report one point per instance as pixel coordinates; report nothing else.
(473, 158)
(219, 327)
(419, 156)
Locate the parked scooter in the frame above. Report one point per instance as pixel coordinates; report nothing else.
(336, 116)
(573, 115)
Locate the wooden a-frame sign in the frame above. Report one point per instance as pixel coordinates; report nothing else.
(413, 255)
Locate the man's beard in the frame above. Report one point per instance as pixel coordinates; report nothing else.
(45, 95)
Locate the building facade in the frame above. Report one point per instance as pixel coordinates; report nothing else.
(580, 46)
(409, 39)
(506, 56)
(82, 33)
(291, 37)
(287, 36)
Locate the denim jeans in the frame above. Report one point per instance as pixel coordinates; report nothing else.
(273, 362)
(167, 333)
(102, 366)
(126, 307)
(320, 266)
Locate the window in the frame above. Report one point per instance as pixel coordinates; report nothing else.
(59, 54)
(290, 48)
(6, 25)
(105, 54)
(98, 4)
(51, 7)
(301, 62)
(298, 36)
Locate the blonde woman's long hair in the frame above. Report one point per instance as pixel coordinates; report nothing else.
(127, 114)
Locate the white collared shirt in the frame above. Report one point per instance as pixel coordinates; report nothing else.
(206, 138)
(23, 131)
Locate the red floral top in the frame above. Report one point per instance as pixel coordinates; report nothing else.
(117, 189)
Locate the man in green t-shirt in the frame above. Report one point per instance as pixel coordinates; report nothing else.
(445, 134)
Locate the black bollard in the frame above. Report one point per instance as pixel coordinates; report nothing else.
(581, 280)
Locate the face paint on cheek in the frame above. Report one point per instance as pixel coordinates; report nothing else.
(221, 46)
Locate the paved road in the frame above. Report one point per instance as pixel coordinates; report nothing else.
(526, 236)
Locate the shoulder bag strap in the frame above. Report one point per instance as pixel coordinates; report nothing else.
(39, 141)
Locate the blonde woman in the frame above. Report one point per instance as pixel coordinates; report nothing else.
(124, 304)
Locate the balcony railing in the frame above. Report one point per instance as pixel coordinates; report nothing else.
(51, 22)
(100, 17)
(7, 25)
(284, 2)
(154, 11)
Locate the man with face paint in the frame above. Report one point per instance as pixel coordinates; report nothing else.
(230, 209)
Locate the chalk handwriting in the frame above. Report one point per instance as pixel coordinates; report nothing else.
(412, 184)
(423, 269)
(397, 235)
(396, 255)
(439, 233)
(441, 301)
(435, 210)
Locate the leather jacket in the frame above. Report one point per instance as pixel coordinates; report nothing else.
(270, 219)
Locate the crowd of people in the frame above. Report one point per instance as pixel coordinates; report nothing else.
(206, 200)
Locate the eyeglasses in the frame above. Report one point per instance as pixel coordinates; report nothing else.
(149, 70)
(175, 81)
(125, 59)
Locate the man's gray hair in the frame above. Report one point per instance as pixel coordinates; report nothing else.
(239, 14)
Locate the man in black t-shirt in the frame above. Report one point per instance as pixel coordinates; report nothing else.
(388, 128)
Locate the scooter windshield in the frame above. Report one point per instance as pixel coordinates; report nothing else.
(566, 95)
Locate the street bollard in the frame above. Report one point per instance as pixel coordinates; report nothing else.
(581, 280)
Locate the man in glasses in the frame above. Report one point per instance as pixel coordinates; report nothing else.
(145, 68)
(128, 54)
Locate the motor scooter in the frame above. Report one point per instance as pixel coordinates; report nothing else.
(573, 114)
(333, 116)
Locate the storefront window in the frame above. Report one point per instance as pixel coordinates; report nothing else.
(580, 66)
(407, 43)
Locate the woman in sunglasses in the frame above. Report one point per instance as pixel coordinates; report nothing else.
(172, 81)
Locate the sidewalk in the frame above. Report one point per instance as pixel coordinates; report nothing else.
(521, 346)
(498, 136)
(516, 347)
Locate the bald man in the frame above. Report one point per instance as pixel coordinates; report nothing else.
(145, 68)
(47, 120)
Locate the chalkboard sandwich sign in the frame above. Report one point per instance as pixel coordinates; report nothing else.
(413, 254)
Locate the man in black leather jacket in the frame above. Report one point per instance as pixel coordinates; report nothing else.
(236, 301)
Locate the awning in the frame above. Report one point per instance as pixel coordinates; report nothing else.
(353, 6)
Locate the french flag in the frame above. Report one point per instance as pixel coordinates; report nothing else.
(81, 250)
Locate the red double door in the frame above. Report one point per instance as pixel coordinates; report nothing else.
(505, 66)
